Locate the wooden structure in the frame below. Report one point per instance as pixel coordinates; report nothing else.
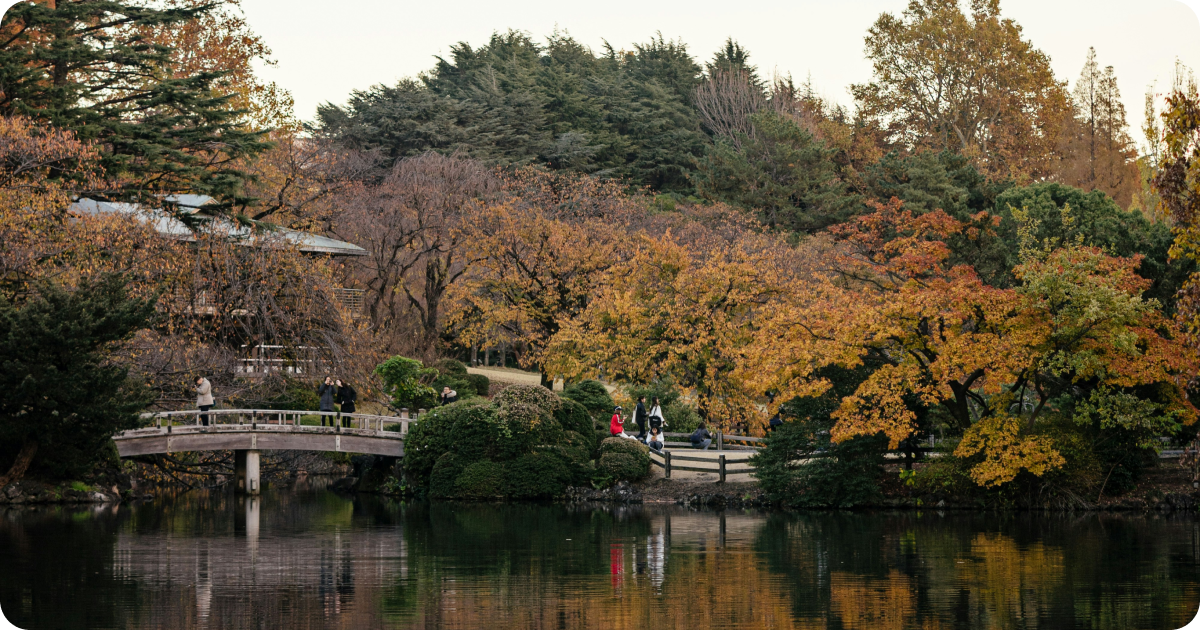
(248, 432)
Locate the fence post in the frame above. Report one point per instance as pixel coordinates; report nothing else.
(720, 441)
(721, 460)
(667, 464)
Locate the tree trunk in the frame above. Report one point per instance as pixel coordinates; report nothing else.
(24, 458)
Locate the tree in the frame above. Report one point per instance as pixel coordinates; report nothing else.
(415, 226)
(1098, 152)
(779, 170)
(687, 312)
(64, 398)
(945, 80)
(405, 382)
(1177, 182)
(513, 101)
(534, 272)
(86, 66)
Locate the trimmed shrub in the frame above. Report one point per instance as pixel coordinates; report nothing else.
(535, 395)
(624, 445)
(624, 466)
(573, 417)
(481, 383)
(483, 479)
(443, 479)
(453, 367)
(537, 475)
(434, 434)
(593, 396)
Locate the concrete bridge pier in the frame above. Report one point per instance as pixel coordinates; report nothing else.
(245, 471)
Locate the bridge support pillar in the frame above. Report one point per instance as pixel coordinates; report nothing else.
(245, 472)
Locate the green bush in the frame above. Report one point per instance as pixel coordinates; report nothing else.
(444, 476)
(536, 395)
(624, 445)
(624, 466)
(433, 434)
(681, 417)
(572, 416)
(453, 367)
(537, 475)
(480, 383)
(593, 396)
(405, 381)
(483, 479)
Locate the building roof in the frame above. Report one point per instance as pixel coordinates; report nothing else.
(168, 225)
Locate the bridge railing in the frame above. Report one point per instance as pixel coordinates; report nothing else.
(279, 417)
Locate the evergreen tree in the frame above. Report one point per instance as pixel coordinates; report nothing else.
(625, 114)
(63, 399)
(84, 65)
(780, 170)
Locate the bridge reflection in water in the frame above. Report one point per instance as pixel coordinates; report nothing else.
(302, 557)
(248, 432)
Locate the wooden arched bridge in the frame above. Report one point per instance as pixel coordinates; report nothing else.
(248, 432)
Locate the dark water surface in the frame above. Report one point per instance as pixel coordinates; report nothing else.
(307, 558)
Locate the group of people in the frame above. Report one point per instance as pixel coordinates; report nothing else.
(650, 426)
(332, 391)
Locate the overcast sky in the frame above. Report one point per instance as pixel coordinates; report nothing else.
(325, 49)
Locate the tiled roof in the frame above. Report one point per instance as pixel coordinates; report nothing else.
(167, 225)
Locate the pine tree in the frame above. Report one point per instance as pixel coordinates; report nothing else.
(63, 400)
(84, 65)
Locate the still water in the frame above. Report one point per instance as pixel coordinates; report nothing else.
(305, 557)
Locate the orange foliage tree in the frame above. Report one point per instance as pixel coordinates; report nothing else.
(994, 358)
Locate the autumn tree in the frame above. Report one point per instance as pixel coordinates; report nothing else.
(1098, 152)
(534, 272)
(1177, 182)
(683, 311)
(966, 82)
(1076, 334)
(416, 227)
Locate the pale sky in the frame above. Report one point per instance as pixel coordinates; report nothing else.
(325, 50)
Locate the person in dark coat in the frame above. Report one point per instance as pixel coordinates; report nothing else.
(346, 397)
(701, 438)
(639, 417)
(448, 395)
(328, 393)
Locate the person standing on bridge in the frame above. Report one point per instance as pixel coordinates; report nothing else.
(328, 393)
(345, 398)
(204, 398)
(657, 420)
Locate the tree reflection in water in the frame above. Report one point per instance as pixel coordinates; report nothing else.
(307, 558)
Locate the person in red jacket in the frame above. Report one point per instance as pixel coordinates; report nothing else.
(617, 426)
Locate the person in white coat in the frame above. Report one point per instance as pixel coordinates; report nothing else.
(657, 420)
(204, 398)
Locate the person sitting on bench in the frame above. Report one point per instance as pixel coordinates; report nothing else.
(701, 438)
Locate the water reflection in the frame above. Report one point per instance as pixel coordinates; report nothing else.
(307, 558)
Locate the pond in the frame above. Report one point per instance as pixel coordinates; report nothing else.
(304, 557)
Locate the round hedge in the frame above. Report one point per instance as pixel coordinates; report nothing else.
(624, 466)
(574, 417)
(624, 445)
(483, 479)
(444, 477)
(541, 474)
